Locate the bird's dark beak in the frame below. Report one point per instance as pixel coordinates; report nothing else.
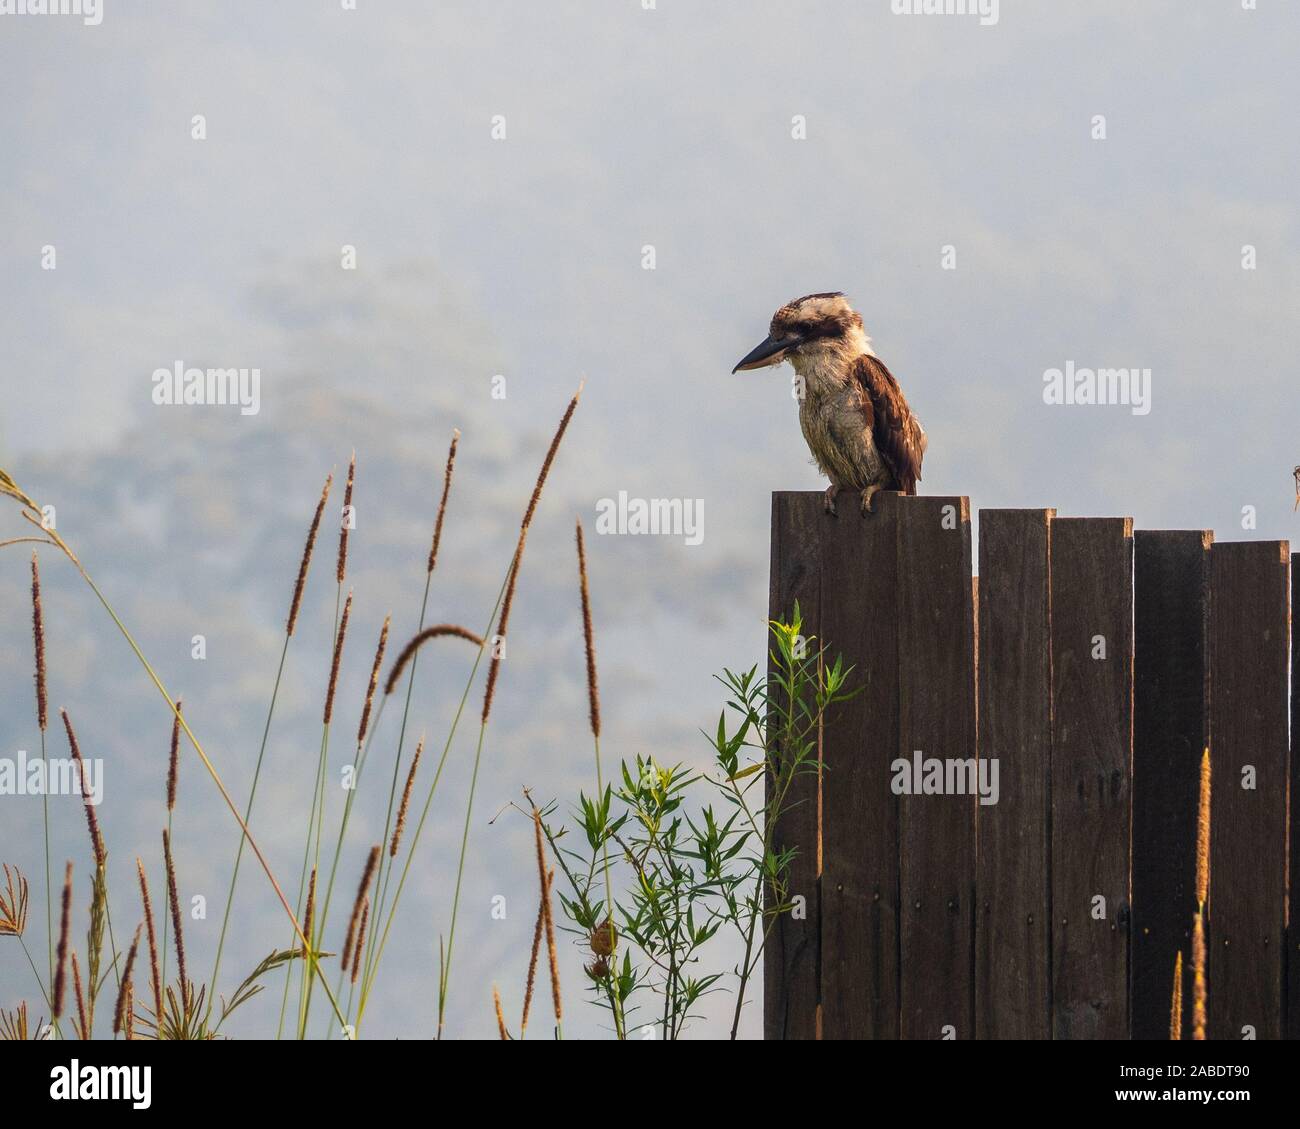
(770, 352)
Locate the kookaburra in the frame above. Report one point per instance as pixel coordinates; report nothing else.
(852, 412)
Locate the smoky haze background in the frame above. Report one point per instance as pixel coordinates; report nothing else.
(625, 127)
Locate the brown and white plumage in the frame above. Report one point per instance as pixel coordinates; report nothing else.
(852, 412)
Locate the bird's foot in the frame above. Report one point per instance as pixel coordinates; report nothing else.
(867, 495)
(831, 491)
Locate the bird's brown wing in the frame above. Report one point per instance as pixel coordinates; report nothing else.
(898, 435)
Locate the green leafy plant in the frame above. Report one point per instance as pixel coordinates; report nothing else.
(695, 851)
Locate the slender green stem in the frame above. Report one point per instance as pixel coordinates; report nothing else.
(316, 800)
(444, 979)
(428, 802)
(362, 755)
(41, 986)
(385, 864)
(248, 815)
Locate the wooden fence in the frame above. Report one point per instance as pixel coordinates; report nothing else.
(1094, 664)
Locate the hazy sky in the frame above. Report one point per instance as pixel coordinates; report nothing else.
(524, 257)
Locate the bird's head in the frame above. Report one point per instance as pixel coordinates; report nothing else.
(810, 328)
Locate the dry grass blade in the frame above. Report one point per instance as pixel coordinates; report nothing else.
(345, 524)
(92, 821)
(38, 641)
(61, 954)
(13, 904)
(362, 900)
(177, 932)
(337, 659)
(374, 682)
(173, 758)
(301, 583)
(437, 631)
(122, 1010)
(406, 800)
(152, 937)
(442, 506)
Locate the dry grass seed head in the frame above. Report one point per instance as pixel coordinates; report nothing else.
(152, 937)
(442, 505)
(38, 640)
(61, 953)
(531, 981)
(337, 659)
(588, 636)
(307, 920)
(1198, 977)
(494, 667)
(361, 940)
(346, 521)
(176, 920)
(374, 681)
(305, 563)
(358, 905)
(437, 631)
(122, 1010)
(1176, 1000)
(501, 1019)
(406, 799)
(83, 1025)
(173, 758)
(544, 883)
(92, 821)
(1203, 834)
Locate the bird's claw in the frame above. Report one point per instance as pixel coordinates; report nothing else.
(831, 491)
(867, 495)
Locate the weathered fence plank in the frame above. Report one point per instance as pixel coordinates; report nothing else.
(1092, 743)
(936, 674)
(790, 961)
(860, 843)
(1293, 925)
(1013, 937)
(1171, 591)
(1249, 619)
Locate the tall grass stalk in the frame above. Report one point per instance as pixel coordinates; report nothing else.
(364, 733)
(172, 771)
(295, 605)
(385, 864)
(42, 720)
(593, 717)
(494, 670)
(444, 957)
(317, 787)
